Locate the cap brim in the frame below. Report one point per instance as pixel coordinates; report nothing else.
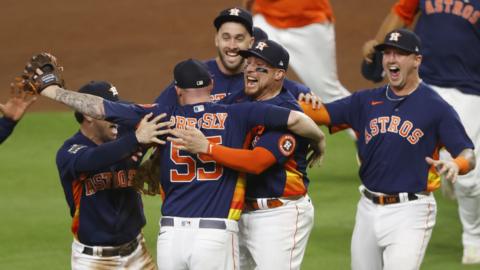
(383, 46)
(223, 19)
(248, 53)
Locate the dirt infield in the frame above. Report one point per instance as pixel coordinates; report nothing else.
(135, 44)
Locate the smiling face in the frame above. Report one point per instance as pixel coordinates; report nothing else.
(231, 37)
(401, 68)
(262, 81)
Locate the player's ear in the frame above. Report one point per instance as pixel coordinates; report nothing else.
(279, 74)
(87, 118)
(418, 61)
(178, 91)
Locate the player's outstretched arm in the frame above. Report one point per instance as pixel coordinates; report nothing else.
(302, 125)
(450, 169)
(253, 161)
(84, 103)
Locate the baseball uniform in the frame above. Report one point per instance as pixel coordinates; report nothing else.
(107, 213)
(396, 212)
(275, 227)
(202, 200)
(305, 28)
(449, 31)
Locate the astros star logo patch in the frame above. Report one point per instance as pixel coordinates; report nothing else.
(286, 144)
(261, 45)
(234, 12)
(394, 36)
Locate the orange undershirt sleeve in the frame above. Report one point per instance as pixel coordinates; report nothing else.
(250, 161)
(320, 116)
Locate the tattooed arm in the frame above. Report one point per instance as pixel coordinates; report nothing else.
(84, 103)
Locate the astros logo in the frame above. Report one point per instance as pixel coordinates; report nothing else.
(113, 90)
(261, 45)
(394, 36)
(286, 144)
(234, 12)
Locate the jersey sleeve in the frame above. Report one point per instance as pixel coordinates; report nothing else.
(6, 128)
(78, 158)
(452, 132)
(282, 145)
(295, 88)
(406, 10)
(270, 116)
(128, 115)
(345, 111)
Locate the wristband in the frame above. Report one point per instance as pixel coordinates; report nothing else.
(463, 165)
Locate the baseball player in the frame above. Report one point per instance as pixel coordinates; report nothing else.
(305, 28)
(234, 30)
(202, 200)
(450, 35)
(278, 216)
(96, 174)
(13, 111)
(401, 127)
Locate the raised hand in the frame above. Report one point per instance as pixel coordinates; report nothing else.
(150, 129)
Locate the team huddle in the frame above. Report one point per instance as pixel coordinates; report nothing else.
(231, 138)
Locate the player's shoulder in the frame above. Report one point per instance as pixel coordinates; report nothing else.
(73, 144)
(71, 147)
(432, 99)
(296, 86)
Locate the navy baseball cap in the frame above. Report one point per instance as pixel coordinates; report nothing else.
(235, 14)
(402, 39)
(100, 88)
(191, 73)
(373, 71)
(97, 88)
(270, 51)
(259, 34)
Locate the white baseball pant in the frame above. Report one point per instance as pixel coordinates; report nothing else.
(139, 259)
(467, 187)
(276, 238)
(312, 55)
(393, 236)
(197, 244)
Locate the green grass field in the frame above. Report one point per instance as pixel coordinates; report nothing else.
(35, 222)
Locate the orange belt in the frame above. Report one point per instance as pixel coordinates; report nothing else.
(252, 204)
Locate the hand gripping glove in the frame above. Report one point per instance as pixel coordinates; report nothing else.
(42, 71)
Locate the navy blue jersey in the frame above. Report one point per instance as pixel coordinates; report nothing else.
(396, 134)
(450, 35)
(226, 86)
(193, 185)
(288, 176)
(6, 128)
(97, 180)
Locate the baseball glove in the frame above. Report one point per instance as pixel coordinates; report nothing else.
(42, 71)
(147, 178)
(373, 71)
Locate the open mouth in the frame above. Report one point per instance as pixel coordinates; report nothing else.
(394, 71)
(251, 81)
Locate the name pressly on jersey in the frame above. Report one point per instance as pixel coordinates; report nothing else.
(207, 121)
(379, 126)
(458, 8)
(105, 180)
